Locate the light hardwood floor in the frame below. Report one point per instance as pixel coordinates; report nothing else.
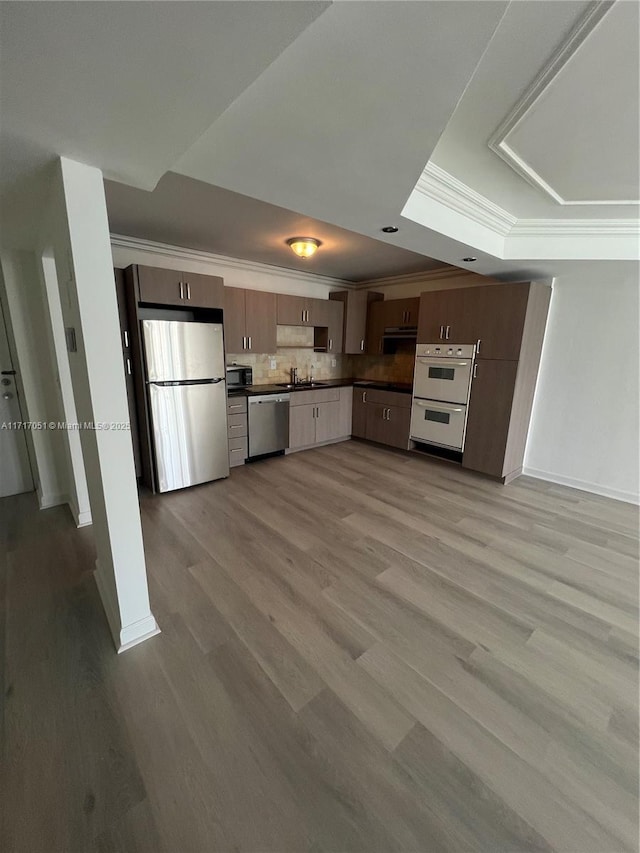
(361, 651)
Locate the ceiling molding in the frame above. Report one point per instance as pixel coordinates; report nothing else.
(166, 250)
(498, 142)
(466, 201)
(416, 277)
(576, 228)
(437, 184)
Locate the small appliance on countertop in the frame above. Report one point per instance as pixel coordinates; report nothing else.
(239, 376)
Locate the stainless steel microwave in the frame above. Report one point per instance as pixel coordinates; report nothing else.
(239, 376)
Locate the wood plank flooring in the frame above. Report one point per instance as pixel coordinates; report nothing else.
(361, 650)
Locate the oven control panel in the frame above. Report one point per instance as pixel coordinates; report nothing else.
(441, 350)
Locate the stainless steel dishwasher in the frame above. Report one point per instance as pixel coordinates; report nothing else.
(268, 424)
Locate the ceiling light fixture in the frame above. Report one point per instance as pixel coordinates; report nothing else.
(390, 229)
(469, 260)
(304, 247)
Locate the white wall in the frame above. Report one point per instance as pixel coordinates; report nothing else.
(36, 367)
(235, 272)
(585, 428)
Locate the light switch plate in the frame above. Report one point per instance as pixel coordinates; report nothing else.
(272, 364)
(333, 362)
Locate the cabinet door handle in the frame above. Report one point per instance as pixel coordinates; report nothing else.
(362, 346)
(125, 335)
(236, 426)
(129, 366)
(249, 339)
(364, 396)
(330, 344)
(475, 370)
(181, 290)
(441, 332)
(237, 406)
(244, 342)
(446, 334)
(188, 291)
(478, 346)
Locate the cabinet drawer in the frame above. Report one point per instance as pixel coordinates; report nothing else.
(387, 398)
(236, 405)
(308, 398)
(238, 449)
(237, 426)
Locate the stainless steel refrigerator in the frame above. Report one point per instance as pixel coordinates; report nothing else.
(185, 376)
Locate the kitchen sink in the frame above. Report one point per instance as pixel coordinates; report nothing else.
(300, 385)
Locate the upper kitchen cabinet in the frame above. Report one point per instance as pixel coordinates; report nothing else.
(376, 322)
(356, 304)
(494, 319)
(157, 286)
(294, 310)
(249, 321)
(401, 312)
(328, 325)
(441, 314)
(491, 316)
(389, 314)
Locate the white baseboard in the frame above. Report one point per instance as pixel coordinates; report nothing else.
(130, 635)
(81, 518)
(583, 485)
(49, 499)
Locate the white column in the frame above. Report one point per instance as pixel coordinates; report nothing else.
(79, 233)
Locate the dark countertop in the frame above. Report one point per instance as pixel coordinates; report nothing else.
(256, 390)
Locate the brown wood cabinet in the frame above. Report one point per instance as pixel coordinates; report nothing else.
(328, 326)
(356, 304)
(381, 416)
(389, 313)
(127, 358)
(294, 310)
(502, 393)
(491, 316)
(489, 416)
(249, 321)
(402, 312)
(157, 286)
(316, 417)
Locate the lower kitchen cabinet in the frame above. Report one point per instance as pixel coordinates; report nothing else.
(317, 417)
(382, 416)
(237, 430)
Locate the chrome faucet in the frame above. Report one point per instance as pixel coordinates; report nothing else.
(294, 375)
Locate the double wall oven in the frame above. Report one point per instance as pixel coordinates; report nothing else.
(441, 388)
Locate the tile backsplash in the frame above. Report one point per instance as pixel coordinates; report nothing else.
(295, 349)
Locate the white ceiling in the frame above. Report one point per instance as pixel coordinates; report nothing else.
(332, 110)
(580, 134)
(127, 87)
(578, 139)
(184, 212)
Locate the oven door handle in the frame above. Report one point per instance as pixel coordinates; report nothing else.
(435, 408)
(443, 362)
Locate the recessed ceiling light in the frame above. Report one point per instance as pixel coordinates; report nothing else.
(390, 229)
(469, 260)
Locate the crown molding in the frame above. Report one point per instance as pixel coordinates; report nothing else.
(222, 261)
(437, 184)
(498, 142)
(416, 277)
(576, 228)
(444, 188)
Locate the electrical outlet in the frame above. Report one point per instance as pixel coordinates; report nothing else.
(333, 362)
(272, 364)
